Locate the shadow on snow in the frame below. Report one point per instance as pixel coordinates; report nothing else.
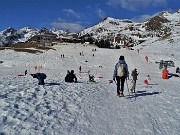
(142, 93)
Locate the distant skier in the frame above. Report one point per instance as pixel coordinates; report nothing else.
(177, 70)
(79, 69)
(146, 59)
(71, 77)
(40, 77)
(120, 74)
(134, 75)
(25, 73)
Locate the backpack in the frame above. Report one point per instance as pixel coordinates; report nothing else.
(121, 71)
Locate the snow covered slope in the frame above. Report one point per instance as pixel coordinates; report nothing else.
(85, 108)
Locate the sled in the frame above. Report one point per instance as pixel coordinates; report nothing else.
(110, 81)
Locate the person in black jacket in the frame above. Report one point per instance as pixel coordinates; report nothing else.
(67, 76)
(177, 70)
(71, 77)
(40, 77)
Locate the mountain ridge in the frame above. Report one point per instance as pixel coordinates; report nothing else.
(162, 25)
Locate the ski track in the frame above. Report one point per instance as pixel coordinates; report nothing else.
(84, 107)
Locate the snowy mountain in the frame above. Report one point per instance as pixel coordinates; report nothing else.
(59, 32)
(162, 25)
(11, 35)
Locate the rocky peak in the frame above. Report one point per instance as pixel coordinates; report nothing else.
(155, 23)
(44, 31)
(9, 31)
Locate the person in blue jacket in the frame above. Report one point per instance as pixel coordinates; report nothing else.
(40, 77)
(121, 79)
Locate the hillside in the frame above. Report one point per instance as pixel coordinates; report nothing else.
(88, 108)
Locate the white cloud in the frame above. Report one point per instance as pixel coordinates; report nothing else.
(72, 27)
(136, 4)
(71, 13)
(101, 14)
(143, 18)
(61, 20)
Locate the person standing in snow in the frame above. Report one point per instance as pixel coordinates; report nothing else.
(25, 73)
(80, 69)
(121, 79)
(177, 70)
(134, 75)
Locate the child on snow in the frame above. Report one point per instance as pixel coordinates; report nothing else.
(134, 75)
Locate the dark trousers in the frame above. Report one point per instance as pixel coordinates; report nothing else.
(41, 82)
(134, 85)
(120, 84)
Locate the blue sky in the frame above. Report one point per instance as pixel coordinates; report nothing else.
(75, 15)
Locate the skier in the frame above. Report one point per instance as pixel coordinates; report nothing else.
(70, 77)
(134, 75)
(80, 69)
(40, 77)
(120, 76)
(25, 73)
(177, 70)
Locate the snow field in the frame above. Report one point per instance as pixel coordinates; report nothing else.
(86, 108)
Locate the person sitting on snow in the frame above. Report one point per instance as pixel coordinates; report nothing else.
(71, 77)
(67, 76)
(91, 78)
(40, 77)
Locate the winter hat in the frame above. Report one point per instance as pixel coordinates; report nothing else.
(121, 57)
(72, 71)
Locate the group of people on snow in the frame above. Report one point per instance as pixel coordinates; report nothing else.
(71, 77)
(120, 75)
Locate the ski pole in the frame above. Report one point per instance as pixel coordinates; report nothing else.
(115, 82)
